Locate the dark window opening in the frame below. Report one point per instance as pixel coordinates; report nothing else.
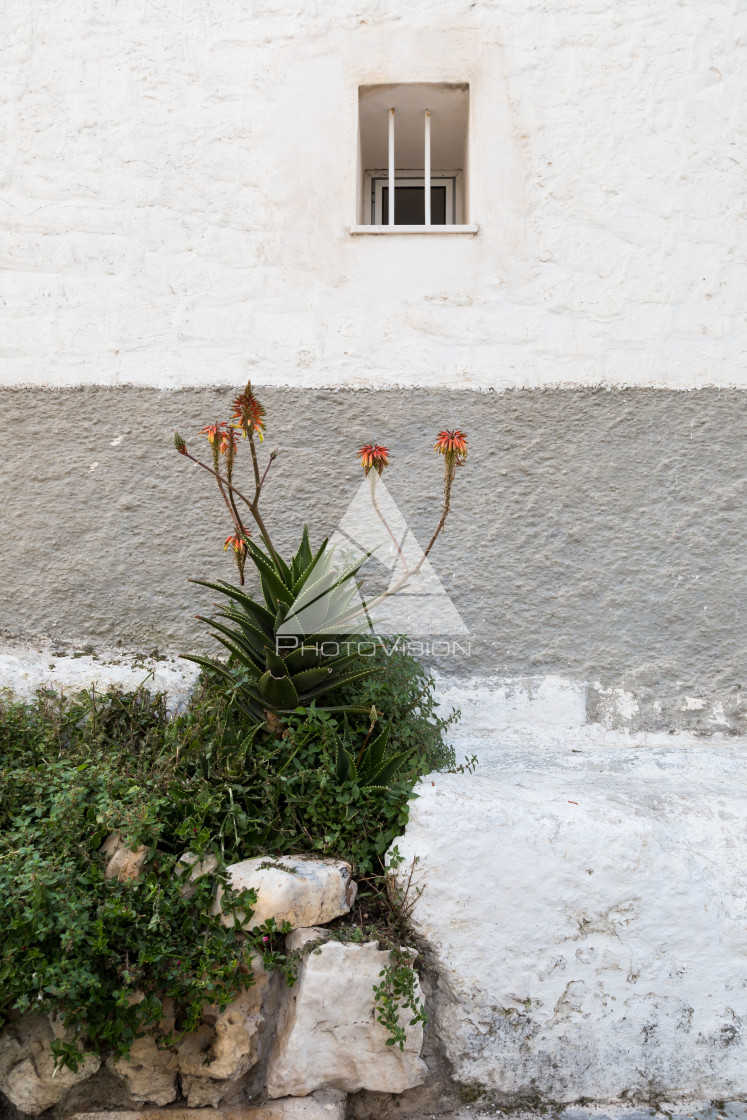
(409, 206)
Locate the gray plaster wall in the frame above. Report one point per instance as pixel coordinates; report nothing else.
(595, 533)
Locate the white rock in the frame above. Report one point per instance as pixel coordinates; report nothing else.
(124, 863)
(328, 1035)
(199, 869)
(146, 1072)
(587, 908)
(295, 889)
(27, 1069)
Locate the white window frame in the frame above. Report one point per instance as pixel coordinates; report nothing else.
(407, 176)
(412, 179)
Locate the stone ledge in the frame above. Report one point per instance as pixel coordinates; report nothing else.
(321, 1106)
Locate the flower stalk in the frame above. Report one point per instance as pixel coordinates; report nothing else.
(249, 418)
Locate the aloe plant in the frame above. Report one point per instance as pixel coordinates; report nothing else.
(370, 768)
(279, 643)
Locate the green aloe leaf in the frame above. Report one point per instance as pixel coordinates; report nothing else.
(349, 708)
(279, 692)
(236, 651)
(274, 663)
(282, 611)
(248, 628)
(386, 772)
(345, 764)
(300, 659)
(210, 664)
(310, 678)
(377, 749)
(283, 570)
(338, 682)
(247, 645)
(304, 553)
(267, 592)
(312, 566)
(264, 617)
(269, 573)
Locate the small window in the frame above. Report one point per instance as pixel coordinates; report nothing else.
(413, 156)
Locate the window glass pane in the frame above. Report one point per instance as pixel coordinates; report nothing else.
(409, 206)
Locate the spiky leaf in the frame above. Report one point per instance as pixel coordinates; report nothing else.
(278, 692)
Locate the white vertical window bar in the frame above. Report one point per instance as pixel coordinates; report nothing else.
(427, 167)
(391, 167)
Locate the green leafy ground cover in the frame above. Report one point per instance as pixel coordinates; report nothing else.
(210, 780)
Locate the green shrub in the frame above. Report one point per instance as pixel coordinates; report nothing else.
(403, 692)
(74, 942)
(73, 772)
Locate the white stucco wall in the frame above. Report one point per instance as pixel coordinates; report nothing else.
(179, 182)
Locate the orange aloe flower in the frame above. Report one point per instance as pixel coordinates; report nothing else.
(237, 543)
(452, 444)
(214, 431)
(228, 443)
(373, 456)
(248, 413)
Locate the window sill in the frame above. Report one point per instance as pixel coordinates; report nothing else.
(390, 231)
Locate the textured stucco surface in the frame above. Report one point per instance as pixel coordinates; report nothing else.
(584, 902)
(184, 178)
(595, 533)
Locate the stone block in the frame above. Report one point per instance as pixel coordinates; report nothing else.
(124, 864)
(147, 1072)
(300, 937)
(294, 889)
(199, 869)
(328, 1036)
(226, 1044)
(27, 1068)
(203, 1092)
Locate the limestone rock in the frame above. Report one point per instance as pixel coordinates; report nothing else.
(124, 863)
(146, 1072)
(328, 1035)
(203, 1092)
(193, 1053)
(300, 937)
(199, 869)
(27, 1069)
(322, 1105)
(226, 1045)
(304, 892)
